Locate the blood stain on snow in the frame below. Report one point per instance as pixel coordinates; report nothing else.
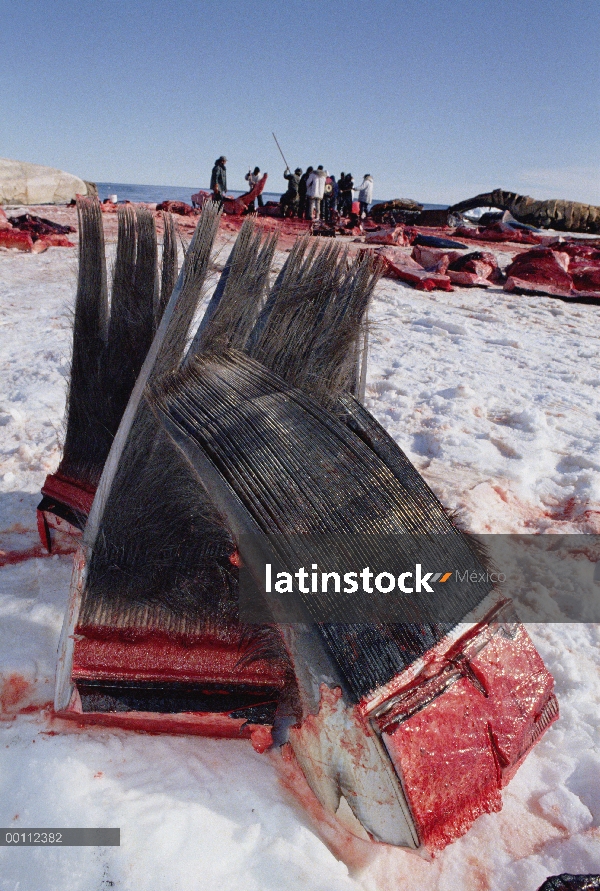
(14, 689)
(18, 528)
(533, 516)
(568, 511)
(59, 726)
(478, 874)
(502, 495)
(12, 558)
(563, 511)
(526, 834)
(35, 707)
(14, 692)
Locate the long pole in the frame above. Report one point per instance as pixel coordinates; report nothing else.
(281, 153)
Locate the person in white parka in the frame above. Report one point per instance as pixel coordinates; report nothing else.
(315, 190)
(365, 194)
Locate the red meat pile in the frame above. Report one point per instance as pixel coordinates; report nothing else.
(584, 265)
(398, 264)
(428, 268)
(32, 234)
(178, 207)
(388, 236)
(478, 269)
(569, 270)
(499, 232)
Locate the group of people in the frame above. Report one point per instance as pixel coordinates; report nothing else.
(316, 194)
(312, 195)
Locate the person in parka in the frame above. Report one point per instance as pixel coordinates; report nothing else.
(252, 177)
(218, 179)
(315, 190)
(289, 201)
(365, 194)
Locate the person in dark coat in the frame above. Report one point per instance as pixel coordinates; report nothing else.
(330, 198)
(289, 202)
(340, 194)
(346, 188)
(218, 179)
(302, 193)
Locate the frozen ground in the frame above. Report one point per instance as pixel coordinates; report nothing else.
(496, 399)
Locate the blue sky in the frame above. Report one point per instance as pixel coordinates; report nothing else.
(437, 99)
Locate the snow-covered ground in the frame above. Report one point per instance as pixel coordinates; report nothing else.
(496, 399)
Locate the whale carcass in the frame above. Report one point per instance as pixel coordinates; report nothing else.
(556, 213)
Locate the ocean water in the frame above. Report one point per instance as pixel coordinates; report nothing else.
(155, 194)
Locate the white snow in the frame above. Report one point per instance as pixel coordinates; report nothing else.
(496, 400)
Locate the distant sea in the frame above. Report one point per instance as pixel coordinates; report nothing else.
(155, 194)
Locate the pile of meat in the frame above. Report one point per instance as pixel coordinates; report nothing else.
(428, 268)
(570, 270)
(501, 231)
(178, 207)
(32, 234)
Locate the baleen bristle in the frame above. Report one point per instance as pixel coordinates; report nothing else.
(169, 268)
(308, 333)
(87, 438)
(195, 270)
(300, 472)
(160, 545)
(239, 294)
(131, 325)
